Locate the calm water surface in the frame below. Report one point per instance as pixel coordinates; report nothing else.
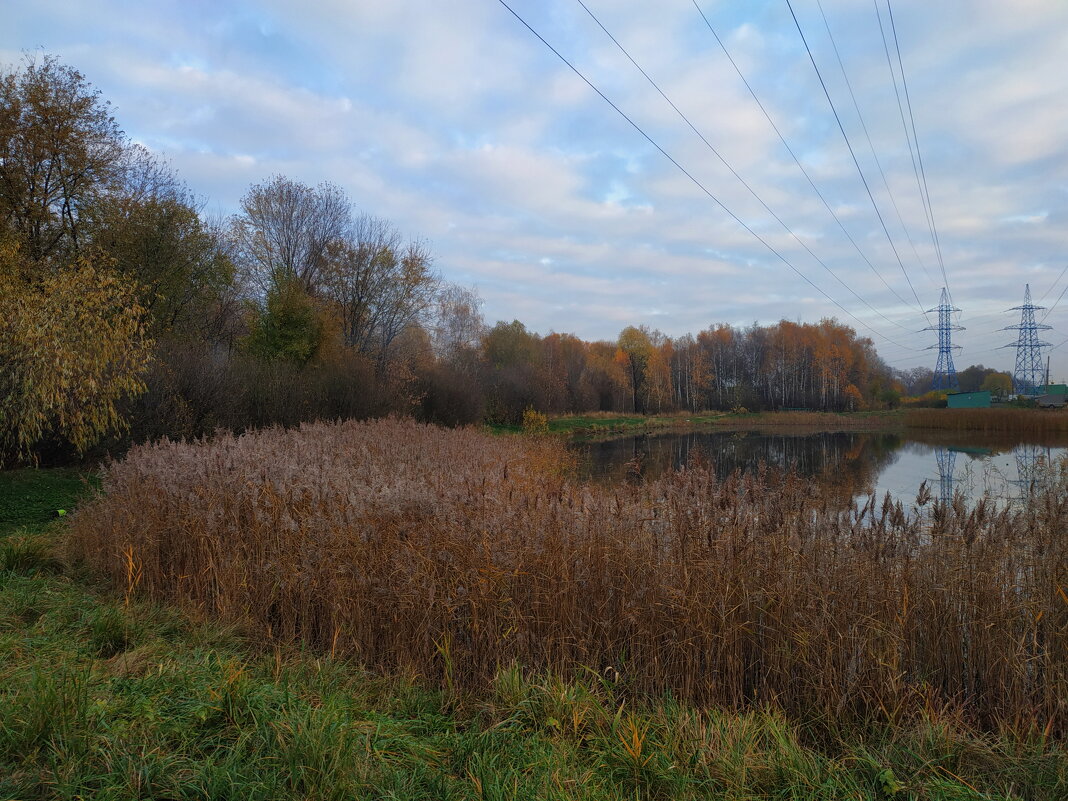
(999, 467)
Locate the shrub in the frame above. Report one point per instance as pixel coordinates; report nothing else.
(534, 422)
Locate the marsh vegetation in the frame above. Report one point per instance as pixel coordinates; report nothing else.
(454, 554)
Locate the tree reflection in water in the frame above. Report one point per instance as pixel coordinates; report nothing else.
(842, 465)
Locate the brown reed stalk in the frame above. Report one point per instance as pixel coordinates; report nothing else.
(452, 553)
(1019, 421)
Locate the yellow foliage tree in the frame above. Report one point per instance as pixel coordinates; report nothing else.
(72, 346)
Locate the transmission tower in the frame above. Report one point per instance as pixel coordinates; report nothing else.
(1029, 371)
(946, 460)
(945, 373)
(1032, 468)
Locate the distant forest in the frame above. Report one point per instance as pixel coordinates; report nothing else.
(126, 315)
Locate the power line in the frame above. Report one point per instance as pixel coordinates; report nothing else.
(908, 137)
(919, 152)
(1059, 277)
(871, 145)
(794, 156)
(734, 172)
(690, 175)
(856, 163)
(1049, 311)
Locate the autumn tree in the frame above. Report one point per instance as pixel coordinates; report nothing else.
(608, 377)
(513, 376)
(854, 400)
(73, 344)
(60, 149)
(691, 374)
(449, 386)
(916, 380)
(658, 381)
(972, 378)
(566, 365)
(72, 347)
(997, 384)
(718, 349)
(150, 226)
(635, 346)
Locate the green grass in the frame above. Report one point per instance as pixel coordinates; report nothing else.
(33, 497)
(105, 699)
(569, 424)
(594, 426)
(598, 424)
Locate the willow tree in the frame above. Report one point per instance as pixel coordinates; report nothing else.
(72, 347)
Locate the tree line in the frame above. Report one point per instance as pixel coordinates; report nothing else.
(127, 314)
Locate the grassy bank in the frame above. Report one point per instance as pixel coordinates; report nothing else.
(600, 424)
(593, 426)
(106, 697)
(1034, 422)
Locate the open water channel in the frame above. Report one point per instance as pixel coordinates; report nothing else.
(1003, 468)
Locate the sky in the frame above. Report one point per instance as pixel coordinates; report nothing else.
(456, 123)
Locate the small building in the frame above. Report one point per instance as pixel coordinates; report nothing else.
(969, 400)
(1053, 389)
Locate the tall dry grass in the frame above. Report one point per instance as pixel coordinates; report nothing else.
(1019, 421)
(453, 553)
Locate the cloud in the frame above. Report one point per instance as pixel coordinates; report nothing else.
(455, 123)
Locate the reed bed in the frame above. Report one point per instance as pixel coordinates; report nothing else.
(1020, 421)
(453, 554)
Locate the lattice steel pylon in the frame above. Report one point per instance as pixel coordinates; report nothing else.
(1029, 372)
(947, 461)
(1032, 468)
(945, 373)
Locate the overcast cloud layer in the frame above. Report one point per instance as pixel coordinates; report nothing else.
(453, 121)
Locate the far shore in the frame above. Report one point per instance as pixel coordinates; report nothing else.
(1011, 420)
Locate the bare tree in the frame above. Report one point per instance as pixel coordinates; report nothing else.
(458, 326)
(355, 276)
(379, 285)
(285, 229)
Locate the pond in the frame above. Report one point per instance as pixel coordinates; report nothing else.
(1000, 467)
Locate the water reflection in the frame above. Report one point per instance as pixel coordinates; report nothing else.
(847, 465)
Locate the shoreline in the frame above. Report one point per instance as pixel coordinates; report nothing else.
(1008, 422)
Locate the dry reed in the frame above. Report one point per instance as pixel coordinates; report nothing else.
(1019, 421)
(454, 553)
